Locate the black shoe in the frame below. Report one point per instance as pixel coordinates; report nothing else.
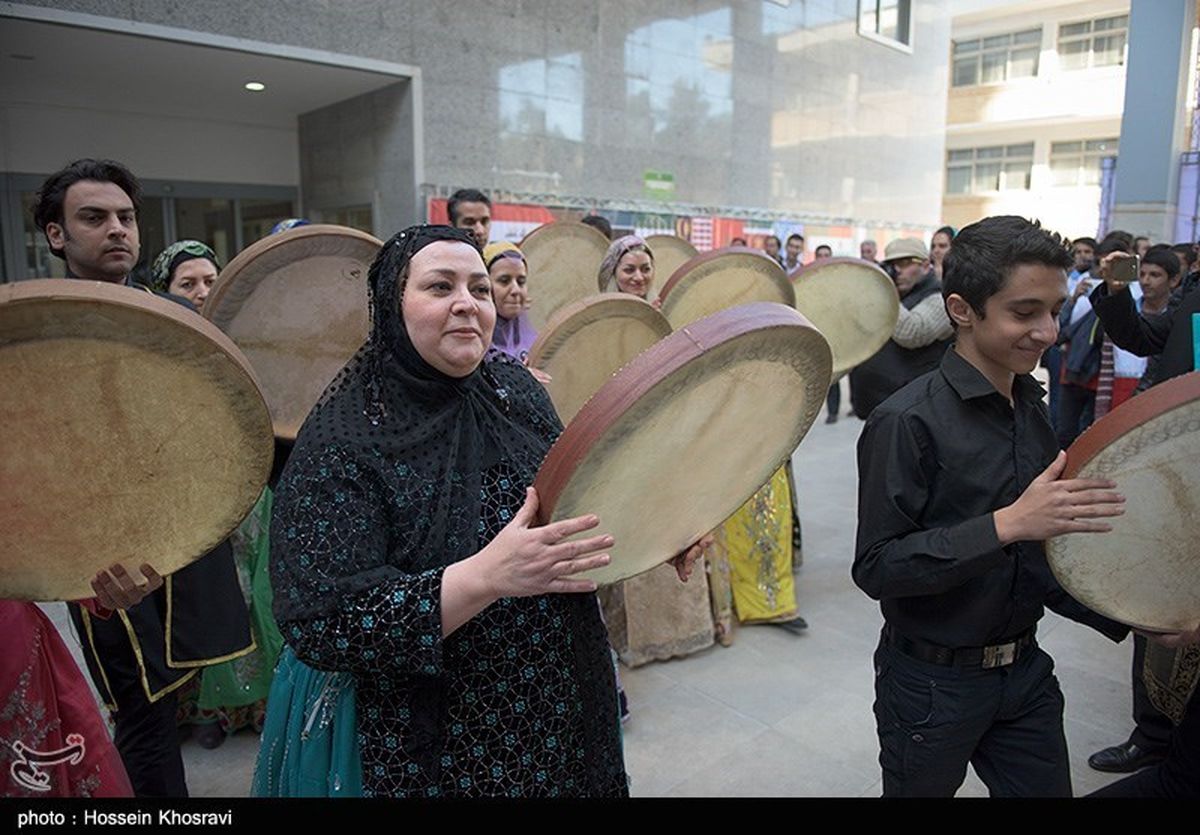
(210, 735)
(831, 417)
(796, 625)
(1124, 758)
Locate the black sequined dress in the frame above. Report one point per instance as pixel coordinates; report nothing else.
(399, 472)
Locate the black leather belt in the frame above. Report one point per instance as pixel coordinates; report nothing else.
(989, 657)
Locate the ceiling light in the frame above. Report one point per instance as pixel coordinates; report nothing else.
(255, 86)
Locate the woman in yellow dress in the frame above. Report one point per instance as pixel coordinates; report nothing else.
(757, 541)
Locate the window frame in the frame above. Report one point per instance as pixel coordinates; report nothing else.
(1089, 37)
(980, 52)
(1082, 157)
(874, 34)
(1007, 157)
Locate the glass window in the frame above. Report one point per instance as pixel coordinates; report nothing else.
(1093, 43)
(958, 180)
(994, 168)
(209, 220)
(259, 216)
(987, 177)
(886, 19)
(997, 58)
(39, 262)
(993, 67)
(152, 233)
(966, 72)
(356, 217)
(1078, 163)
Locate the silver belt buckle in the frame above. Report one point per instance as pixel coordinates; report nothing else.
(1000, 655)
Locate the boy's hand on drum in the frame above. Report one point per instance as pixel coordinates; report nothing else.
(1052, 505)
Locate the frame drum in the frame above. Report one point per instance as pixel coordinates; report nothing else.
(853, 303)
(720, 280)
(670, 253)
(563, 259)
(134, 431)
(590, 340)
(685, 433)
(296, 304)
(1145, 572)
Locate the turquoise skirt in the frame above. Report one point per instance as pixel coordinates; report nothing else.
(309, 743)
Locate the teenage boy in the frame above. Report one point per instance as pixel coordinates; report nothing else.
(959, 484)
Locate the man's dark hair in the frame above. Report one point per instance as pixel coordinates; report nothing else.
(53, 193)
(600, 223)
(948, 231)
(825, 247)
(795, 236)
(465, 195)
(1115, 241)
(985, 254)
(1186, 254)
(1085, 240)
(1164, 258)
(774, 238)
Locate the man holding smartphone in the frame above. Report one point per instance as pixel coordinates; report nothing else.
(1172, 335)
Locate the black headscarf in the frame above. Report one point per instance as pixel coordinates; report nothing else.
(388, 406)
(419, 443)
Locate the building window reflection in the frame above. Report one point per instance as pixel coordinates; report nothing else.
(889, 21)
(681, 70)
(543, 96)
(1079, 163)
(997, 58)
(1093, 43)
(994, 168)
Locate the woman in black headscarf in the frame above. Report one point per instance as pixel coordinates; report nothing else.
(403, 552)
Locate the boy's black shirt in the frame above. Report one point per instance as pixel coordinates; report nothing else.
(935, 460)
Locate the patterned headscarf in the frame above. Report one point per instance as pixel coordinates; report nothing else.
(174, 255)
(607, 278)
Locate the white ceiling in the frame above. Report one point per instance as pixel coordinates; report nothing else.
(67, 66)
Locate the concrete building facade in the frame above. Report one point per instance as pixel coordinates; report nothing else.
(813, 112)
(1034, 105)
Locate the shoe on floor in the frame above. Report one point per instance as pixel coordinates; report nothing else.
(210, 736)
(1125, 758)
(796, 625)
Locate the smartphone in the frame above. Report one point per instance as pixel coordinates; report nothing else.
(1125, 270)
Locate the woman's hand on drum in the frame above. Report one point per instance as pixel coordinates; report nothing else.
(115, 589)
(685, 561)
(540, 375)
(523, 560)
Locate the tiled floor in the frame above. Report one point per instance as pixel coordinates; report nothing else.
(784, 715)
